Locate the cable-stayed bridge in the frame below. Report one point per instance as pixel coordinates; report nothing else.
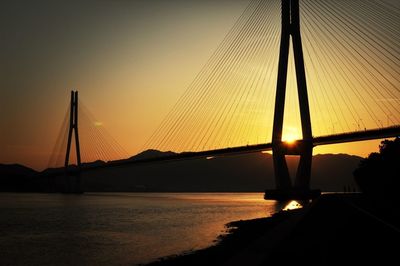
(288, 76)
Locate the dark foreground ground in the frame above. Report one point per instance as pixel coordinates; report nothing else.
(336, 229)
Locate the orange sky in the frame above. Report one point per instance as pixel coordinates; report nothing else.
(130, 61)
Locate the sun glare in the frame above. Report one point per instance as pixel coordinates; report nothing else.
(290, 139)
(290, 135)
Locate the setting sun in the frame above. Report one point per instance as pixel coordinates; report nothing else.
(290, 135)
(290, 139)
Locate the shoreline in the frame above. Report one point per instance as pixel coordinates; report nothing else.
(240, 235)
(332, 230)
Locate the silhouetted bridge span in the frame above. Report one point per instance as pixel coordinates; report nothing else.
(294, 148)
(291, 147)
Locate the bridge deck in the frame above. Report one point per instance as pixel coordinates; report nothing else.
(317, 141)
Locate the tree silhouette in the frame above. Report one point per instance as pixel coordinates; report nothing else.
(379, 174)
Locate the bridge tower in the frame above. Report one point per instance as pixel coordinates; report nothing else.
(73, 127)
(72, 176)
(291, 31)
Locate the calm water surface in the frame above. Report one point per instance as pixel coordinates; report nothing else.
(116, 228)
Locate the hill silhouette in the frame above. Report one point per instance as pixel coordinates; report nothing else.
(150, 154)
(245, 172)
(16, 177)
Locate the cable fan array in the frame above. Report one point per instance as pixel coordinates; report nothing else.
(352, 61)
(95, 142)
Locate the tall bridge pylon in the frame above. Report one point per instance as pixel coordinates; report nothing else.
(72, 176)
(291, 31)
(73, 128)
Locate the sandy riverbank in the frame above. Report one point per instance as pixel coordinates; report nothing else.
(336, 229)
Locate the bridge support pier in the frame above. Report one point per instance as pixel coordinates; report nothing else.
(282, 177)
(303, 175)
(284, 188)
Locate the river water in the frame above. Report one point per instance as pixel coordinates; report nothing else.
(117, 228)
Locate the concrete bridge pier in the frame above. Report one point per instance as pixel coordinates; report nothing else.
(303, 175)
(285, 188)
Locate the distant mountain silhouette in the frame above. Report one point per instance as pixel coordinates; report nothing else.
(333, 172)
(248, 172)
(16, 170)
(16, 177)
(149, 154)
(245, 172)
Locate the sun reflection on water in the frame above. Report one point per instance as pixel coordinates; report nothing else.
(292, 205)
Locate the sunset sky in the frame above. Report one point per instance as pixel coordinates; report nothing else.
(129, 60)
